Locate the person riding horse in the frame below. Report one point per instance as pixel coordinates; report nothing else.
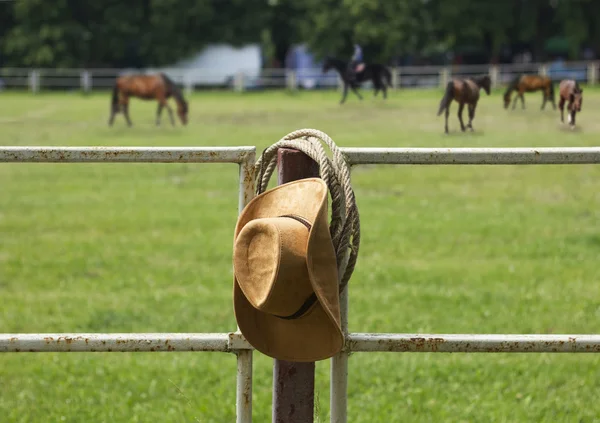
(356, 63)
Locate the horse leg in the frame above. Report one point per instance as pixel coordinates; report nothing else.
(111, 119)
(345, 94)
(515, 102)
(356, 92)
(158, 113)
(561, 106)
(460, 111)
(522, 101)
(126, 113)
(447, 114)
(571, 114)
(170, 112)
(114, 109)
(471, 115)
(125, 105)
(545, 99)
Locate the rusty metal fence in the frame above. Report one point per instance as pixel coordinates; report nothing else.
(234, 342)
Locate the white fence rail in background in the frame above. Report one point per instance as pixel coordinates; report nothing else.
(192, 79)
(233, 342)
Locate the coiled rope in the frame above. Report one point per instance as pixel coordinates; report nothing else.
(345, 221)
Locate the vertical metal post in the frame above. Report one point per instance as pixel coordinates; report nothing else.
(395, 77)
(187, 84)
(592, 75)
(444, 77)
(86, 81)
(338, 398)
(34, 81)
(239, 82)
(243, 404)
(246, 180)
(290, 78)
(293, 382)
(339, 371)
(494, 75)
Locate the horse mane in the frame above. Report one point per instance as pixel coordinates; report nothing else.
(175, 91)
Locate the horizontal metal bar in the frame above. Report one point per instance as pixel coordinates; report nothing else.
(396, 342)
(472, 156)
(122, 342)
(355, 342)
(125, 154)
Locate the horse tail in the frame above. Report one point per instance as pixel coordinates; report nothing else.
(448, 95)
(115, 97)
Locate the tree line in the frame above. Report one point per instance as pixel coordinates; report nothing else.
(138, 33)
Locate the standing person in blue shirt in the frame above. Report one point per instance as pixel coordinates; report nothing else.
(356, 63)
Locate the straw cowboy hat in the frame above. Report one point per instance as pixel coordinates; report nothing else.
(285, 291)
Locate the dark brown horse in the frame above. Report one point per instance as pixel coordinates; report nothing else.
(148, 87)
(527, 84)
(464, 91)
(569, 91)
(377, 73)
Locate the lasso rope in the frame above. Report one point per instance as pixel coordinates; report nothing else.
(345, 221)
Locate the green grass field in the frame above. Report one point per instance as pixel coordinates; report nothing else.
(445, 249)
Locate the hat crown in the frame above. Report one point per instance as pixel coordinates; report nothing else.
(270, 264)
(285, 290)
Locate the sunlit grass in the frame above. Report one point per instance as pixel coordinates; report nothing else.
(445, 249)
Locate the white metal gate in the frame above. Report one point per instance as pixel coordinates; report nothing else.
(234, 342)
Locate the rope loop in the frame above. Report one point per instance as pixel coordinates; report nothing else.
(345, 221)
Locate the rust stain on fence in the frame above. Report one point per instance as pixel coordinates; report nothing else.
(125, 154)
(412, 344)
(472, 343)
(248, 175)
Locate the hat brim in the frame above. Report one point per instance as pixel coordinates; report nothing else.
(317, 334)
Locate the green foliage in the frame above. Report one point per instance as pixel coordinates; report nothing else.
(155, 32)
(423, 27)
(138, 33)
(408, 26)
(328, 27)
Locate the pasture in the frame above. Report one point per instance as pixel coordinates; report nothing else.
(445, 249)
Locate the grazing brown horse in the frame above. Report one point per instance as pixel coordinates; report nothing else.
(527, 84)
(570, 91)
(147, 87)
(464, 91)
